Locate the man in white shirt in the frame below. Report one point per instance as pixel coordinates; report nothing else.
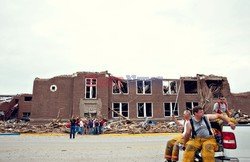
(172, 148)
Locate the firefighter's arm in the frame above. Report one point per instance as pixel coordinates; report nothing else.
(176, 121)
(187, 134)
(228, 113)
(222, 117)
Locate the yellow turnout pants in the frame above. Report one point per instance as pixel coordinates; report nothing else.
(207, 146)
(172, 148)
(221, 122)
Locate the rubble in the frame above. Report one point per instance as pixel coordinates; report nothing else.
(139, 127)
(123, 125)
(241, 117)
(25, 127)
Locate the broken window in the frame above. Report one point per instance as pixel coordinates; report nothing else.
(89, 115)
(120, 86)
(90, 88)
(190, 87)
(170, 108)
(144, 86)
(144, 110)
(121, 108)
(190, 105)
(26, 114)
(169, 87)
(27, 98)
(215, 86)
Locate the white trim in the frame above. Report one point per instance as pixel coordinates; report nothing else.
(143, 88)
(144, 110)
(120, 89)
(171, 109)
(91, 87)
(192, 105)
(120, 108)
(170, 87)
(51, 88)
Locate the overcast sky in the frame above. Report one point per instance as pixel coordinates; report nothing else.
(149, 38)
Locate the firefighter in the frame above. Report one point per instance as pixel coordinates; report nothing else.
(221, 107)
(202, 136)
(172, 148)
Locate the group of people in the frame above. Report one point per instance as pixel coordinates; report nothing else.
(90, 126)
(198, 133)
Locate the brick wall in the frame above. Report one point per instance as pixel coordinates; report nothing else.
(48, 103)
(69, 98)
(24, 106)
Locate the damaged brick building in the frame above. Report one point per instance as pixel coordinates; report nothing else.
(18, 106)
(88, 94)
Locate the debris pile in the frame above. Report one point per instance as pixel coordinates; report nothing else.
(11, 126)
(122, 126)
(138, 128)
(241, 117)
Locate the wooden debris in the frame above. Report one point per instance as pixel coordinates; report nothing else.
(56, 126)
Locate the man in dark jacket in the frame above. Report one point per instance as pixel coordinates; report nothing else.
(72, 127)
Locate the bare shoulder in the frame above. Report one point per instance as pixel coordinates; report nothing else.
(188, 125)
(212, 116)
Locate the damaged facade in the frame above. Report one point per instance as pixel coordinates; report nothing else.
(88, 94)
(18, 106)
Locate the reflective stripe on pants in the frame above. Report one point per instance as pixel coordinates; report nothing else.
(172, 148)
(207, 146)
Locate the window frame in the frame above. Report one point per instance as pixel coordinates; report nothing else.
(144, 110)
(26, 114)
(91, 85)
(120, 109)
(197, 91)
(143, 87)
(120, 91)
(192, 104)
(29, 100)
(53, 88)
(171, 109)
(169, 88)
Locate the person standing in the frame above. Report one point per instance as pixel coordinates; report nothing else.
(96, 126)
(101, 126)
(72, 127)
(90, 124)
(81, 125)
(77, 125)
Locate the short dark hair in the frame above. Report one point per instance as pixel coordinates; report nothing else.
(221, 96)
(196, 109)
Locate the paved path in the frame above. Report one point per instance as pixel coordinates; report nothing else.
(102, 148)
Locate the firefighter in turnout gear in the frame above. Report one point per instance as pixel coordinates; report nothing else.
(221, 107)
(202, 136)
(172, 148)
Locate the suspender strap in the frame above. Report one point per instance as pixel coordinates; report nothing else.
(193, 131)
(208, 127)
(219, 108)
(206, 122)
